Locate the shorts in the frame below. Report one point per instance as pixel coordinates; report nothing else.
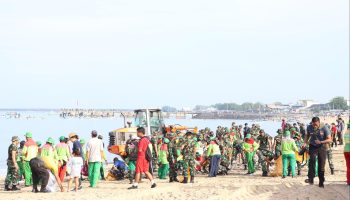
(142, 165)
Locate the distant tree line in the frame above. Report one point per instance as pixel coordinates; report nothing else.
(168, 109)
(338, 103)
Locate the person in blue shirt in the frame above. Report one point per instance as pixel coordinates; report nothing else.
(317, 137)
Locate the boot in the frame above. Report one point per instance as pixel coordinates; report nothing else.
(298, 172)
(192, 179)
(185, 180)
(7, 188)
(264, 174)
(15, 188)
(332, 171)
(171, 179)
(245, 167)
(322, 179)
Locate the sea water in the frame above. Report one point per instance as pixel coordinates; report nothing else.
(48, 124)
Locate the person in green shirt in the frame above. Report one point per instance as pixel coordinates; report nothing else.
(30, 150)
(214, 154)
(63, 154)
(249, 147)
(163, 160)
(288, 153)
(48, 150)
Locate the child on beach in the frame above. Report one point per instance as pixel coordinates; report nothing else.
(74, 166)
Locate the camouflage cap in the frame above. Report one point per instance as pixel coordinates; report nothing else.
(15, 138)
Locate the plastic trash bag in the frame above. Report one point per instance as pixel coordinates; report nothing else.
(52, 185)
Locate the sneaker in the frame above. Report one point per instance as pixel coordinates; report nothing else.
(309, 182)
(134, 187)
(153, 185)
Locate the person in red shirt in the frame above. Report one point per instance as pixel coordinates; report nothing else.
(334, 133)
(142, 164)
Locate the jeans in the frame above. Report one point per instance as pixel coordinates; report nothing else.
(214, 165)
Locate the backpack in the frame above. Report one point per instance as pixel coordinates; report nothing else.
(148, 155)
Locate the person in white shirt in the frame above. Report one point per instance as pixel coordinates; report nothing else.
(74, 166)
(94, 155)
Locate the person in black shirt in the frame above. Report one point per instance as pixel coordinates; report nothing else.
(317, 138)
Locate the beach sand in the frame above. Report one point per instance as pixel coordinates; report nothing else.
(236, 185)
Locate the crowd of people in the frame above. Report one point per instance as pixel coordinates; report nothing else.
(69, 159)
(179, 155)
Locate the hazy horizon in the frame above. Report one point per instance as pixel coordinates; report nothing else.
(123, 54)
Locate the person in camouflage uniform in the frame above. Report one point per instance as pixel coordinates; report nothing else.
(20, 160)
(278, 144)
(264, 141)
(172, 156)
(299, 143)
(154, 140)
(179, 165)
(255, 131)
(12, 166)
(330, 157)
(189, 153)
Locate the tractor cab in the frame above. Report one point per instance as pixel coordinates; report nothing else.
(150, 119)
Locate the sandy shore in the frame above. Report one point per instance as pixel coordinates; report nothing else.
(236, 185)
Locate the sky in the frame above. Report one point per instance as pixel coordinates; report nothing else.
(133, 54)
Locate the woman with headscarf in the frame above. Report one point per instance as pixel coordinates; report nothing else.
(163, 159)
(288, 153)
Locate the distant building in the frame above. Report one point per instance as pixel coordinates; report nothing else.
(277, 107)
(320, 107)
(306, 103)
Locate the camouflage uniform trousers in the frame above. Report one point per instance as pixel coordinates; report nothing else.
(172, 169)
(330, 158)
(179, 166)
(12, 175)
(189, 163)
(264, 154)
